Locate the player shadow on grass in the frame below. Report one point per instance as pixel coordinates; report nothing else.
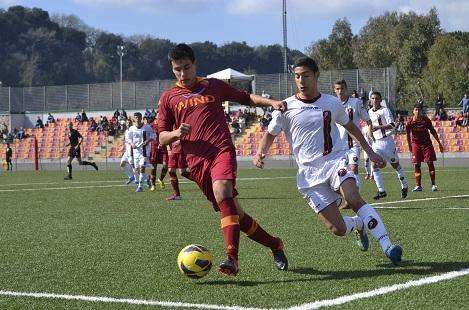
(407, 267)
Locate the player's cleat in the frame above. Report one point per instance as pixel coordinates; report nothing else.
(152, 188)
(280, 259)
(394, 253)
(139, 189)
(228, 267)
(434, 188)
(380, 195)
(418, 189)
(161, 184)
(362, 239)
(94, 166)
(130, 180)
(404, 192)
(68, 177)
(173, 197)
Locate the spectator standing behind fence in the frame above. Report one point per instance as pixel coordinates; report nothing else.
(439, 104)
(78, 118)
(400, 124)
(39, 123)
(8, 157)
(50, 119)
(21, 134)
(93, 125)
(84, 117)
(116, 114)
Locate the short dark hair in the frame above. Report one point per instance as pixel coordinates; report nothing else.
(306, 62)
(181, 51)
(138, 114)
(341, 82)
(376, 93)
(418, 105)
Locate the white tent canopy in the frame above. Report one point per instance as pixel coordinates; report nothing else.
(231, 74)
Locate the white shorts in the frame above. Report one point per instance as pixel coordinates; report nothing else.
(320, 196)
(353, 155)
(386, 148)
(126, 158)
(140, 161)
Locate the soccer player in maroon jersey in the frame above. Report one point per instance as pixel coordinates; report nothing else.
(194, 107)
(176, 160)
(158, 155)
(421, 146)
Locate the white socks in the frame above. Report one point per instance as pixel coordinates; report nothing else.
(375, 225)
(378, 176)
(351, 223)
(128, 170)
(402, 177)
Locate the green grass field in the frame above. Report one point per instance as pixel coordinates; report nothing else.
(95, 237)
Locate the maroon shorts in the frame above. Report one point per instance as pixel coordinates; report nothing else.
(177, 161)
(222, 167)
(158, 156)
(423, 153)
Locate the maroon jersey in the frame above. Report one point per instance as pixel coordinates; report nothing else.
(418, 129)
(176, 147)
(200, 107)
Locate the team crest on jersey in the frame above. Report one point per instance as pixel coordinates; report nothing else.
(342, 172)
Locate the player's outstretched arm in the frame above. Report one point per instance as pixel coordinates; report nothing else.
(260, 101)
(357, 135)
(168, 137)
(263, 148)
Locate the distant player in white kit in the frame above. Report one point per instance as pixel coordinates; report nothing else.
(356, 113)
(382, 126)
(140, 136)
(127, 156)
(310, 125)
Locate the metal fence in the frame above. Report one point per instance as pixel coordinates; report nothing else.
(145, 94)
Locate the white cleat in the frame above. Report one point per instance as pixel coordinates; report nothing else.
(434, 188)
(417, 189)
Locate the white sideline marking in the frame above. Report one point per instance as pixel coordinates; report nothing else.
(105, 186)
(413, 200)
(381, 291)
(307, 306)
(122, 300)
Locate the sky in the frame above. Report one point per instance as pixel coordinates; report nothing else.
(257, 22)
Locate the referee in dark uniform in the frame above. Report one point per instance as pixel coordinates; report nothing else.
(8, 157)
(74, 151)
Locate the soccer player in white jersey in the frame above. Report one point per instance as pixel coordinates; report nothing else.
(382, 126)
(127, 157)
(140, 136)
(356, 113)
(310, 125)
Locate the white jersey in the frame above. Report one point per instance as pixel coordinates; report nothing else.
(356, 112)
(127, 146)
(138, 135)
(310, 128)
(382, 116)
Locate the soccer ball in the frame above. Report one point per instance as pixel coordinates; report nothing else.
(195, 261)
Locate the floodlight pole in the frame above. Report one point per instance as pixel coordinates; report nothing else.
(121, 53)
(285, 46)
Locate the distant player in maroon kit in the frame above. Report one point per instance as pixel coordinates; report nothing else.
(194, 107)
(158, 155)
(421, 145)
(177, 160)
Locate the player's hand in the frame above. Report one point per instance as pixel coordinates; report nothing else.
(279, 105)
(378, 160)
(183, 130)
(258, 160)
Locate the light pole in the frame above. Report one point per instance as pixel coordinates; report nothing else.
(121, 53)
